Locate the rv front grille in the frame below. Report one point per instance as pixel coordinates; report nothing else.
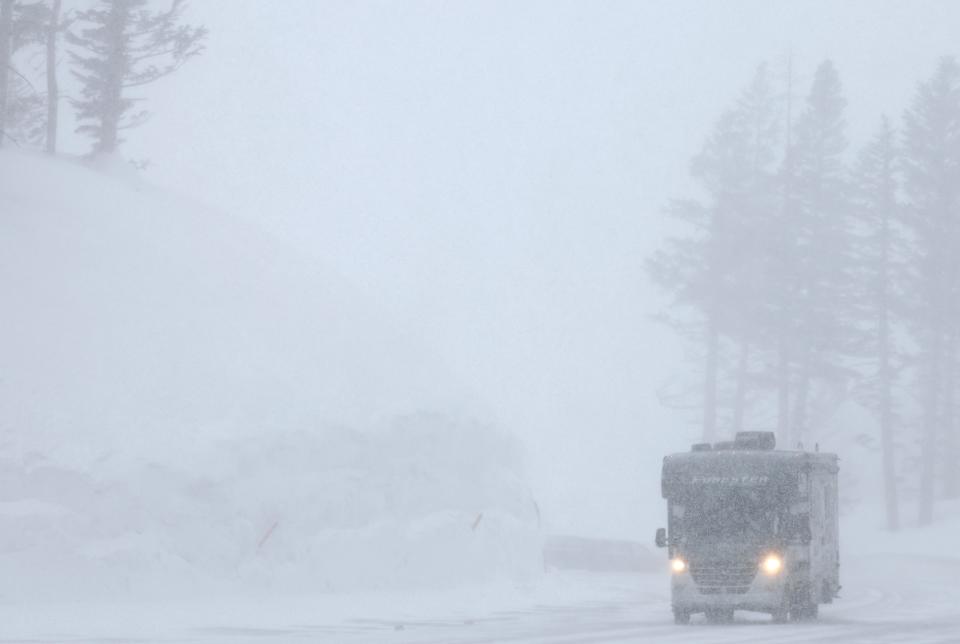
(717, 577)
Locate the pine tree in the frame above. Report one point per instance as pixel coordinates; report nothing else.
(880, 246)
(124, 45)
(811, 255)
(711, 269)
(53, 29)
(20, 104)
(748, 315)
(932, 187)
(780, 242)
(6, 51)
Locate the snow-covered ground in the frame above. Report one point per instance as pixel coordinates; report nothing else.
(889, 598)
(896, 588)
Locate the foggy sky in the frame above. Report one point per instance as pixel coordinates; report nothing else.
(493, 173)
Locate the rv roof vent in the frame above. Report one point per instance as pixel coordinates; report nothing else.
(700, 447)
(755, 440)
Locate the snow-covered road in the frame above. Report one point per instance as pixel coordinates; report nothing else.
(885, 599)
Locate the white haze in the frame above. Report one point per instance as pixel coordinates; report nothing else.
(368, 341)
(493, 173)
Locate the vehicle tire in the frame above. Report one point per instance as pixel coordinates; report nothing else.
(805, 612)
(681, 616)
(803, 606)
(828, 593)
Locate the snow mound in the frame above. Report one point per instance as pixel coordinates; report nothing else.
(425, 502)
(185, 404)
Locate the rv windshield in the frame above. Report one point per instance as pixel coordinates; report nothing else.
(733, 515)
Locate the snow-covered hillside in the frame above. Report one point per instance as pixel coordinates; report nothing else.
(185, 402)
(126, 305)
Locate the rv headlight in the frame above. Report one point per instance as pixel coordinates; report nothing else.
(678, 565)
(772, 564)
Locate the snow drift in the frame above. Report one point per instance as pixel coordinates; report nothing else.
(185, 402)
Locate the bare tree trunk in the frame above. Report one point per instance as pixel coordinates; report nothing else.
(885, 375)
(939, 344)
(710, 380)
(6, 27)
(928, 456)
(886, 415)
(948, 453)
(740, 401)
(886, 442)
(53, 92)
(117, 62)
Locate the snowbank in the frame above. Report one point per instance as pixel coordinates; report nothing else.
(184, 404)
(422, 503)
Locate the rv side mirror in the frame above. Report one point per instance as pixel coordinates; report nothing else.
(661, 538)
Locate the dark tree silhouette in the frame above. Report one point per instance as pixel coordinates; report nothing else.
(121, 45)
(931, 153)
